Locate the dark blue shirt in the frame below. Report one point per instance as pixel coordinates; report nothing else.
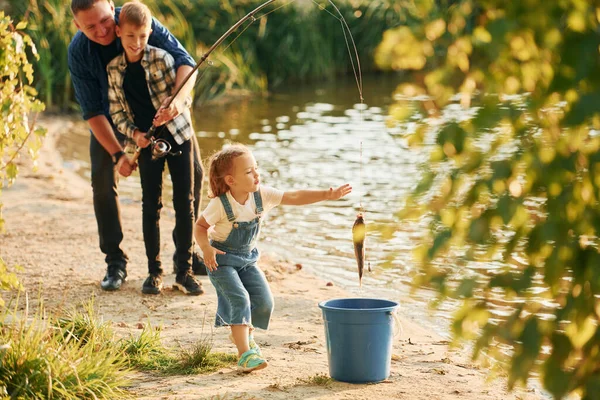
(88, 72)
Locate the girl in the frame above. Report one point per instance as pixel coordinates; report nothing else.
(234, 213)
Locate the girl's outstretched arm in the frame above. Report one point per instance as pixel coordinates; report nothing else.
(209, 252)
(302, 197)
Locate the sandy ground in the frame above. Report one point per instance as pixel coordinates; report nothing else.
(51, 233)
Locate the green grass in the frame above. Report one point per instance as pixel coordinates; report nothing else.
(147, 353)
(319, 380)
(78, 356)
(44, 359)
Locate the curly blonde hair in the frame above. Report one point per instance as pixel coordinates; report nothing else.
(220, 165)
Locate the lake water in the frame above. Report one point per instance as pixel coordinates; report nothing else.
(317, 136)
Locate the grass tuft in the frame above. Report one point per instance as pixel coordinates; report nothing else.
(320, 380)
(146, 353)
(37, 360)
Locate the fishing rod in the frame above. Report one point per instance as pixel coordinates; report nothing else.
(161, 147)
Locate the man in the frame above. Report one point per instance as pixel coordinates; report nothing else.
(89, 52)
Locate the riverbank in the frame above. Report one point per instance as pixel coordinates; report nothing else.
(51, 233)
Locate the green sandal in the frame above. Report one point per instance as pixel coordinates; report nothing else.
(250, 361)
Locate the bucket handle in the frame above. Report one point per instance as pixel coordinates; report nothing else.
(398, 329)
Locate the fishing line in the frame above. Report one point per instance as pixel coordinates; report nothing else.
(356, 69)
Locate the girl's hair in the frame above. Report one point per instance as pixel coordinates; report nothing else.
(135, 13)
(220, 165)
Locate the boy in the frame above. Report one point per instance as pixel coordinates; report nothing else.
(140, 81)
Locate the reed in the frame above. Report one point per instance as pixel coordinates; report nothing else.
(298, 42)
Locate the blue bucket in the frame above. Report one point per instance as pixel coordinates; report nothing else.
(359, 336)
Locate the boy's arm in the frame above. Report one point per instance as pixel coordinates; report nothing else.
(184, 63)
(173, 80)
(302, 197)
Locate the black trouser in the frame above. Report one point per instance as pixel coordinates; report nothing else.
(106, 200)
(151, 174)
(106, 205)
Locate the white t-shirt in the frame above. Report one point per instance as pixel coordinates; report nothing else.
(215, 214)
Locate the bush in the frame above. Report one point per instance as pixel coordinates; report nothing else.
(517, 183)
(17, 103)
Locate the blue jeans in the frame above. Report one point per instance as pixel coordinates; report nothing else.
(244, 296)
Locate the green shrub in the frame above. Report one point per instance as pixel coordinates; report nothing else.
(516, 186)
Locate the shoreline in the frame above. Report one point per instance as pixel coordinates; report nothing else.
(51, 233)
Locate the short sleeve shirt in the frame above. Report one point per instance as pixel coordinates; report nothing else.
(216, 217)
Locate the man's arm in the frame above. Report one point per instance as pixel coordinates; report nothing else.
(88, 93)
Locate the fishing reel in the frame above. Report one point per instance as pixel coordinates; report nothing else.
(161, 148)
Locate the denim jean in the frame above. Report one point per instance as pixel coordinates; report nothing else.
(106, 199)
(151, 174)
(244, 296)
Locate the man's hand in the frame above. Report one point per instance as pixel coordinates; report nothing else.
(166, 114)
(124, 166)
(140, 139)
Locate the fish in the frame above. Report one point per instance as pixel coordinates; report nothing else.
(359, 232)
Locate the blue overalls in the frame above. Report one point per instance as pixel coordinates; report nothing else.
(244, 296)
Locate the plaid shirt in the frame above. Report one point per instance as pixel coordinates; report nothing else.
(159, 67)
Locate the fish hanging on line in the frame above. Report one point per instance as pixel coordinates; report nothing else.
(359, 232)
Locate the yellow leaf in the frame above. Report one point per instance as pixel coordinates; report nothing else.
(435, 29)
(580, 333)
(482, 35)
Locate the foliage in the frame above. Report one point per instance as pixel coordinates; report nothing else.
(17, 102)
(147, 353)
(38, 360)
(75, 355)
(505, 99)
(295, 42)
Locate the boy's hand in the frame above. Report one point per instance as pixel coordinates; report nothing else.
(338, 193)
(124, 166)
(165, 114)
(140, 139)
(210, 259)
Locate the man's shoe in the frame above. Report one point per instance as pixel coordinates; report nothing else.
(198, 266)
(188, 284)
(114, 278)
(153, 284)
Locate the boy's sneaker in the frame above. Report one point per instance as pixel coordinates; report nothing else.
(251, 342)
(188, 284)
(153, 284)
(250, 361)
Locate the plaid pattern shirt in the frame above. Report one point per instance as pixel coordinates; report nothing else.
(159, 67)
